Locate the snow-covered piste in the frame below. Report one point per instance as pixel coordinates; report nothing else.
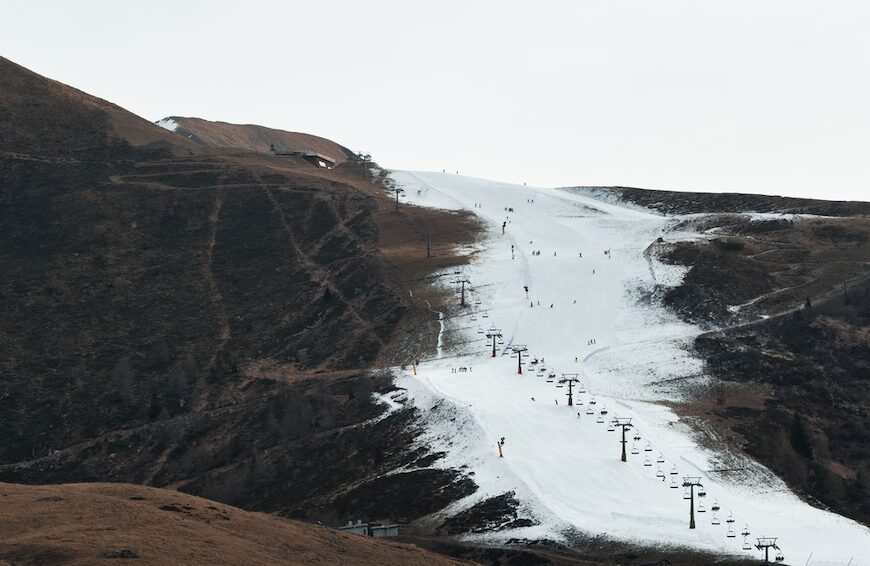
(589, 312)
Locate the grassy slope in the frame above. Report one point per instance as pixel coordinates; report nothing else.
(79, 523)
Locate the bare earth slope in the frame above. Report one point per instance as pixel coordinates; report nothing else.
(250, 137)
(85, 523)
(39, 116)
(205, 319)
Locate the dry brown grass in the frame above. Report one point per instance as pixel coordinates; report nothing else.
(78, 523)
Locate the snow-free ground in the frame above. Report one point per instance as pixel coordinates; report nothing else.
(564, 465)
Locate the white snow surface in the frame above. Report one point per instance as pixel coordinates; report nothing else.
(168, 123)
(563, 465)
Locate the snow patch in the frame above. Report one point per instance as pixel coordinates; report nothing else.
(168, 123)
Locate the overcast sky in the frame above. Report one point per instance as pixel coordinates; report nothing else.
(753, 96)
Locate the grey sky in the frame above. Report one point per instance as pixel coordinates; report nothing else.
(754, 96)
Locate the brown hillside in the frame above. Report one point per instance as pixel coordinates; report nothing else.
(39, 116)
(250, 137)
(209, 321)
(85, 523)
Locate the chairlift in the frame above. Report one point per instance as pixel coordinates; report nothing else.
(646, 461)
(660, 459)
(715, 520)
(648, 447)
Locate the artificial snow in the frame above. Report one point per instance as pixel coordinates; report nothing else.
(168, 123)
(594, 315)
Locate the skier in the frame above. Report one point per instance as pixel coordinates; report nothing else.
(500, 444)
(551, 305)
(554, 254)
(526, 287)
(557, 401)
(575, 358)
(503, 226)
(533, 398)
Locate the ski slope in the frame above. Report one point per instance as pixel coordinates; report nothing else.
(563, 465)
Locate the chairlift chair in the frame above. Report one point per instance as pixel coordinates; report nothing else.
(581, 388)
(558, 385)
(715, 520)
(646, 461)
(636, 436)
(730, 518)
(634, 449)
(660, 459)
(599, 419)
(610, 427)
(745, 532)
(648, 447)
(551, 376)
(674, 484)
(702, 493)
(484, 315)
(701, 508)
(473, 318)
(480, 331)
(589, 411)
(674, 471)
(715, 506)
(687, 493)
(533, 361)
(660, 473)
(746, 545)
(730, 533)
(779, 557)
